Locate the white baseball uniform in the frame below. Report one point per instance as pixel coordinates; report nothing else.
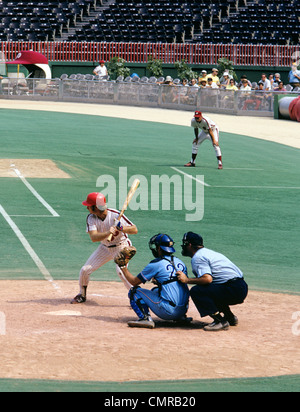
(106, 251)
(205, 124)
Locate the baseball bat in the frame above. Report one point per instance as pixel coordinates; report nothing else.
(130, 194)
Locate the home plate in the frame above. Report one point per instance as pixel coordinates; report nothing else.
(64, 313)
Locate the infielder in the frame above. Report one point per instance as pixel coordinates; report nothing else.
(210, 131)
(100, 224)
(169, 300)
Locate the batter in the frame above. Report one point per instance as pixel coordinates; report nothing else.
(100, 223)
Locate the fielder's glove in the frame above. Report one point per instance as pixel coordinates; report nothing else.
(124, 256)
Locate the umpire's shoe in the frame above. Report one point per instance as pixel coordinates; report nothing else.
(217, 326)
(142, 323)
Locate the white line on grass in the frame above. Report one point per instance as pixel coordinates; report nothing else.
(28, 248)
(34, 192)
(190, 176)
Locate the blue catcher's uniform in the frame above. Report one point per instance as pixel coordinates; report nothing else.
(169, 300)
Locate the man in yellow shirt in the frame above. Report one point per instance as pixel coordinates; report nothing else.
(214, 76)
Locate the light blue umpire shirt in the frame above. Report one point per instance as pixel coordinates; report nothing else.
(215, 264)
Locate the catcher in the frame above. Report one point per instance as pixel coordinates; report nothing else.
(169, 299)
(100, 225)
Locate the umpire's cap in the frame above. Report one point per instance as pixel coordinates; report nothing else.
(193, 238)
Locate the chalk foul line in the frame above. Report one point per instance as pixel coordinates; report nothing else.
(34, 192)
(42, 268)
(190, 176)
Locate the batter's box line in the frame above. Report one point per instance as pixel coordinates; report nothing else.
(42, 268)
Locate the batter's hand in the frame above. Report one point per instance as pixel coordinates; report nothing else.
(114, 231)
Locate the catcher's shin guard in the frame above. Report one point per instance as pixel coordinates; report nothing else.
(140, 308)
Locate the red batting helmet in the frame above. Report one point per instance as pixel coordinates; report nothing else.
(96, 199)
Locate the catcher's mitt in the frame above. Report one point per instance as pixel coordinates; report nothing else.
(124, 256)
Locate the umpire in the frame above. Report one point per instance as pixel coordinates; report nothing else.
(219, 283)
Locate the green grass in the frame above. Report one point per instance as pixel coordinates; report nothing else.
(255, 227)
(256, 224)
(288, 383)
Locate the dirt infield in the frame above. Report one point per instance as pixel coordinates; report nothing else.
(38, 168)
(47, 338)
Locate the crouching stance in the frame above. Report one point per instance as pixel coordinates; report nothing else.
(219, 283)
(169, 299)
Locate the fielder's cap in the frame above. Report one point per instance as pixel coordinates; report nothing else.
(193, 238)
(225, 74)
(168, 79)
(102, 62)
(215, 69)
(197, 113)
(96, 199)
(204, 71)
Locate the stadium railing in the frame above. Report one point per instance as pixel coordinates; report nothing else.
(168, 53)
(80, 89)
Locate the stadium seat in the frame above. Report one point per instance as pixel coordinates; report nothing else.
(264, 21)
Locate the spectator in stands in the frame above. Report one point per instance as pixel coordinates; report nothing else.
(246, 92)
(214, 76)
(266, 82)
(243, 77)
(101, 70)
(228, 100)
(254, 101)
(194, 84)
(168, 93)
(271, 80)
(276, 80)
(203, 84)
(258, 98)
(192, 91)
(202, 77)
(294, 76)
(182, 92)
(211, 84)
(212, 92)
(232, 85)
(280, 87)
(225, 80)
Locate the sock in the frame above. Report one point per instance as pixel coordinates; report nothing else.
(219, 159)
(217, 317)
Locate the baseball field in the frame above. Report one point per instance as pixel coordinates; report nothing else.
(52, 156)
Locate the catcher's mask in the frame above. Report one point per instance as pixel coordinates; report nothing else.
(165, 242)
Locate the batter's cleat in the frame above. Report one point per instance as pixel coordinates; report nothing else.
(142, 323)
(189, 164)
(216, 326)
(220, 166)
(78, 299)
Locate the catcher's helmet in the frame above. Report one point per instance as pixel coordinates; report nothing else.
(165, 242)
